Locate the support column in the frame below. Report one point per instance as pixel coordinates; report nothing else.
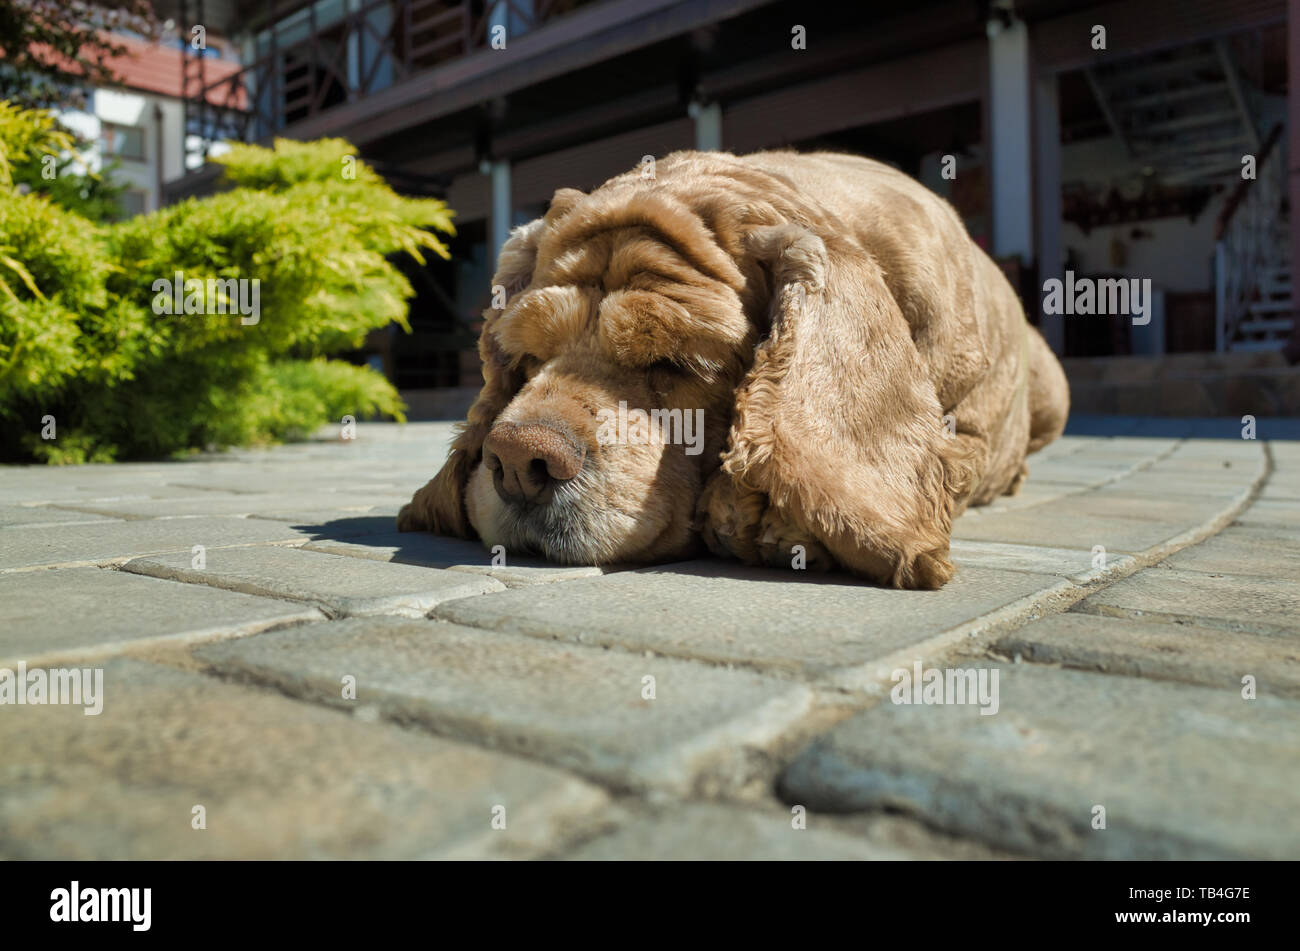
(1010, 144)
(1292, 349)
(499, 16)
(1047, 194)
(708, 125)
(502, 218)
(353, 33)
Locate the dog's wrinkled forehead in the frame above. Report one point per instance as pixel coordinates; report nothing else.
(632, 292)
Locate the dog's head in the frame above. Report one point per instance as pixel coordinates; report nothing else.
(671, 361)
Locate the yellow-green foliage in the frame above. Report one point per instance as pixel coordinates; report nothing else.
(80, 338)
(26, 133)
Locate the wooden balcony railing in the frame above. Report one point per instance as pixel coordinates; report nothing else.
(372, 46)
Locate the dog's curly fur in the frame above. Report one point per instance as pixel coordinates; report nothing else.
(865, 370)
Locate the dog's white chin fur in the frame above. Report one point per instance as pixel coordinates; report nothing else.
(579, 527)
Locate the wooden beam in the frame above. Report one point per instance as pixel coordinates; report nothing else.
(883, 91)
(1065, 43)
(587, 36)
(895, 36)
(1238, 96)
(1103, 103)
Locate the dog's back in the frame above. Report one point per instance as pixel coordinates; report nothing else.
(992, 372)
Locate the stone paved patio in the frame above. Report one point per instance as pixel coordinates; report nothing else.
(1122, 598)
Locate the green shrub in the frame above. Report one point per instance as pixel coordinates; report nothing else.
(82, 338)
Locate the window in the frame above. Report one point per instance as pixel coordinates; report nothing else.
(186, 45)
(123, 141)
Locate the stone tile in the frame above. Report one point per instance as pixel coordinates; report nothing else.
(1066, 445)
(1202, 427)
(1181, 485)
(1236, 603)
(41, 478)
(107, 542)
(1061, 524)
(458, 554)
(1217, 451)
(1187, 471)
(578, 707)
(278, 779)
(1074, 469)
(1182, 772)
(41, 515)
(1030, 495)
(1119, 453)
(1057, 482)
(1196, 468)
(1079, 566)
(308, 478)
(1273, 513)
(342, 587)
(1263, 552)
(335, 526)
(794, 623)
(340, 523)
(1175, 508)
(1162, 651)
(1130, 447)
(716, 833)
(1286, 488)
(1285, 482)
(78, 612)
(63, 492)
(263, 503)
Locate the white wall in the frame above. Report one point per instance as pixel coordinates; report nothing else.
(140, 110)
(1176, 257)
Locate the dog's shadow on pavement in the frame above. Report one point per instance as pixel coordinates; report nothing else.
(377, 537)
(347, 529)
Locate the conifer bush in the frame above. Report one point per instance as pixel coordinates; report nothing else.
(131, 335)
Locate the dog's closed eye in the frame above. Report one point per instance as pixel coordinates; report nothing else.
(666, 366)
(664, 374)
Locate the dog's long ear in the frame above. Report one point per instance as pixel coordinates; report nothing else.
(837, 425)
(439, 506)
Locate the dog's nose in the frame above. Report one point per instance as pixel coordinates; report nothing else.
(528, 459)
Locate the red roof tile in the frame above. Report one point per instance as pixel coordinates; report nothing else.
(149, 67)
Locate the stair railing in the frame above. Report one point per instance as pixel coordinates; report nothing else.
(1245, 235)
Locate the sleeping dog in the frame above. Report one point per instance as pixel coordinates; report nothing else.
(862, 370)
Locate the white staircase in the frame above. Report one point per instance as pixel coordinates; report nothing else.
(1270, 318)
(1185, 114)
(1255, 300)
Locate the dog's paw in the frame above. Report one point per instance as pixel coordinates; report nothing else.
(412, 518)
(926, 571)
(1018, 480)
(784, 544)
(729, 518)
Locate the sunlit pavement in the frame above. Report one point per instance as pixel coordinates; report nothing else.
(1113, 672)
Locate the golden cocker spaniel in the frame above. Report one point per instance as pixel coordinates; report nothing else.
(762, 352)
